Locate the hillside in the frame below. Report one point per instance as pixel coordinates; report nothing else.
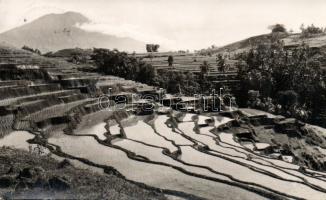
(59, 31)
(318, 40)
(50, 109)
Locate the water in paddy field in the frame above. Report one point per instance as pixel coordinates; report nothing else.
(221, 172)
(18, 140)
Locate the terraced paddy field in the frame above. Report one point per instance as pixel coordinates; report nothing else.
(176, 155)
(185, 62)
(56, 138)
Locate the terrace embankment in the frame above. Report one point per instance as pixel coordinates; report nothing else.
(286, 137)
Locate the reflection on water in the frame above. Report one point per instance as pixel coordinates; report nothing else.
(167, 132)
(243, 173)
(230, 158)
(18, 140)
(98, 129)
(151, 174)
(143, 132)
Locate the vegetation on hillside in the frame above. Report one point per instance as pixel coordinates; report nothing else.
(179, 82)
(122, 65)
(27, 48)
(113, 62)
(290, 82)
(311, 30)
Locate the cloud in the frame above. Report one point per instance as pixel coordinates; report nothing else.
(181, 24)
(127, 30)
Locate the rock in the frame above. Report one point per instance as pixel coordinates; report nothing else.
(6, 181)
(58, 183)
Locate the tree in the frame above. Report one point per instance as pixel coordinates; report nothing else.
(204, 67)
(121, 64)
(220, 63)
(170, 60)
(277, 28)
(152, 47)
(149, 48)
(146, 73)
(155, 48)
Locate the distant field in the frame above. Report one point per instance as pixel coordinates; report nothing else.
(183, 61)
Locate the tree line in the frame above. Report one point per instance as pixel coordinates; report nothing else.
(114, 62)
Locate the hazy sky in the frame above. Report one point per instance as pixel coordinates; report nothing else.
(176, 24)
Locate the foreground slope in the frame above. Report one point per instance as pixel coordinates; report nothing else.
(24, 170)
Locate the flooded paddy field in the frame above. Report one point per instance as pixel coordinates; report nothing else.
(180, 156)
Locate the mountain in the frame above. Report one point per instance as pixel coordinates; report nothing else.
(53, 32)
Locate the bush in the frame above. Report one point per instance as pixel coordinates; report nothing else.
(288, 98)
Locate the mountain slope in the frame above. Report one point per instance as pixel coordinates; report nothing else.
(318, 40)
(248, 43)
(58, 31)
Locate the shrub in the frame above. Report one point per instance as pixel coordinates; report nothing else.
(310, 30)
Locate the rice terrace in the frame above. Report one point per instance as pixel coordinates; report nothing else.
(93, 113)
